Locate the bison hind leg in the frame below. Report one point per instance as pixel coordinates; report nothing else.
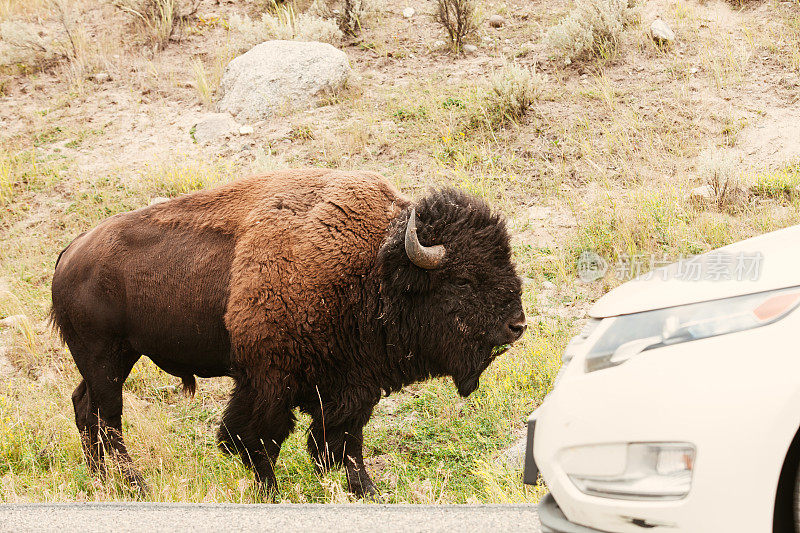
(88, 429)
(104, 365)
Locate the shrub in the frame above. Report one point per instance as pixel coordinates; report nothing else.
(348, 14)
(283, 24)
(458, 18)
(782, 184)
(593, 28)
(513, 91)
(40, 45)
(23, 43)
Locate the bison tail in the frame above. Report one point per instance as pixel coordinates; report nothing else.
(189, 385)
(56, 324)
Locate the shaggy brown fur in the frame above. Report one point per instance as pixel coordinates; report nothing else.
(288, 282)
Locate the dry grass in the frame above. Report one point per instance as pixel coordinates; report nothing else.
(204, 90)
(283, 23)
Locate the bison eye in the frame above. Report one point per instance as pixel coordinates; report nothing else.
(463, 282)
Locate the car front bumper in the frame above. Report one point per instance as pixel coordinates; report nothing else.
(553, 520)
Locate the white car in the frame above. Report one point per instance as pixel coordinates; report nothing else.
(678, 405)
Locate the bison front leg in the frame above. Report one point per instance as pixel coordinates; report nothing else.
(337, 445)
(254, 426)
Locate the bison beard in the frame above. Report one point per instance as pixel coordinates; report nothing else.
(314, 289)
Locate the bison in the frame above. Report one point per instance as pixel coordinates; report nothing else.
(313, 289)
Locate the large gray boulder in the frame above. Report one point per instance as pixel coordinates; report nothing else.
(276, 73)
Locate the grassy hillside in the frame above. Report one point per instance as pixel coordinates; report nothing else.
(597, 148)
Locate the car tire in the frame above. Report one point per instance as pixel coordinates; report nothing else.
(796, 502)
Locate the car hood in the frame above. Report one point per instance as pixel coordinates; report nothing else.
(767, 262)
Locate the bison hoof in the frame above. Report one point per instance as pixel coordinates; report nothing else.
(374, 497)
(368, 492)
(142, 489)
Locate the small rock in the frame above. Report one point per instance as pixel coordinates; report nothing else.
(408, 12)
(13, 321)
(214, 126)
(496, 21)
(701, 194)
(661, 32)
(158, 200)
(6, 368)
(567, 61)
(693, 70)
(439, 44)
(548, 285)
(48, 377)
(514, 455)
(246, 130)
(101, 77)
(470, 49)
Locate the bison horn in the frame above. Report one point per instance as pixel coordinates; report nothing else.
(427, 257)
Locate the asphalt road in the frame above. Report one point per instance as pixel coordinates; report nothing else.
(149, 517)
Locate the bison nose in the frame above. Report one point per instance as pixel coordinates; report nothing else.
(517, 326)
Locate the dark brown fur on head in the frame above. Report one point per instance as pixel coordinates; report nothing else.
(453, 316)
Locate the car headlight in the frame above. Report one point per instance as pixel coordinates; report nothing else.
(651, 471)
(630, 335)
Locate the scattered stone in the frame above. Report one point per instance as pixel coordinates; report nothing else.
(214, 126)
(246, 130)
(274, 73)
(470, 49)
(567, 61)
(13, 321)
(661, 32)
(48, 377)
(101, 77)
(6, 368)
(701, 194)
(409, 12)
(548, 285)
(514, 455)
(158, 200)
(693, 70)
(496, 21)
(439, 44)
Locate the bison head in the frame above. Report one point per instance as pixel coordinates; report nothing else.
(449, 289)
